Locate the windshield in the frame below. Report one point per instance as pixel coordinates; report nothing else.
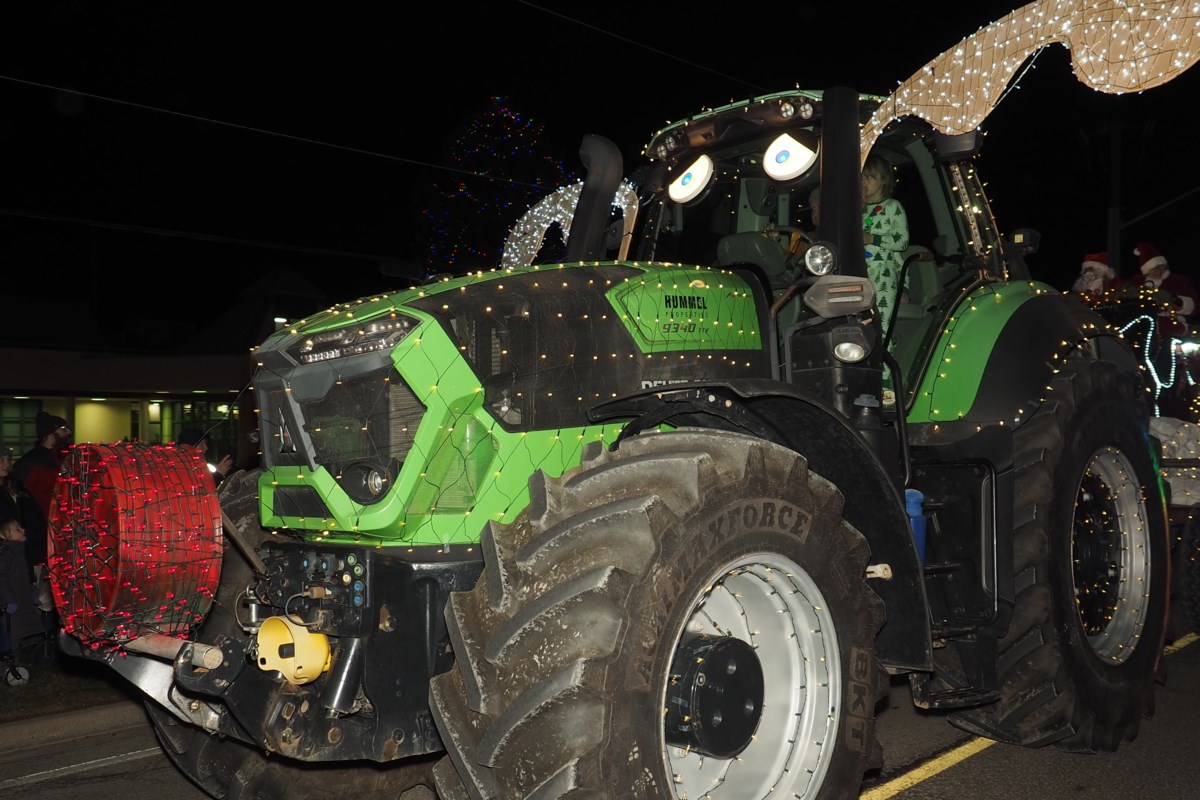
(739, 196)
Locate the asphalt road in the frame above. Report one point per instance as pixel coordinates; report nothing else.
(926, 758)
(112, 752)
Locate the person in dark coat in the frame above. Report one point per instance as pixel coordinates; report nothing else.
(22, 619)
(37, 471)
(38, 468)
(16, 503)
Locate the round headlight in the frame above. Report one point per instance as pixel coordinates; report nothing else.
(365, 482)
(849, 352)
(820, 259)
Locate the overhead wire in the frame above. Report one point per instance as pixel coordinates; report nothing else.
(310, 141)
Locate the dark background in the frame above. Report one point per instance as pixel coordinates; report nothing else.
(156, 158)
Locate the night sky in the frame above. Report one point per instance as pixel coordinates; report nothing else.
(149, 144)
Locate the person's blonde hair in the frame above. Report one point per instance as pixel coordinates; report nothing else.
(878, 166)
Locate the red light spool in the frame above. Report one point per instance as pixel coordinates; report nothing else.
(136, 542)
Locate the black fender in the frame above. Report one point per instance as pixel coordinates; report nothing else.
(1029, 349)
(834, 449)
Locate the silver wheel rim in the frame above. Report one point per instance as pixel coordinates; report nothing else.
(1110, 554)
(770, 602)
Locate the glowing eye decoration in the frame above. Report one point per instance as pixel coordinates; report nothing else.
(787, 158)
(693, 181)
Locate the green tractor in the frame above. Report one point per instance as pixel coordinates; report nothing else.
(662, 519)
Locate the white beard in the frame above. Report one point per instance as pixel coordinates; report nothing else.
(1089, 282)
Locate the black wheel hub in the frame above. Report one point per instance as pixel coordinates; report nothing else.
(1096, 554)
(715, 694)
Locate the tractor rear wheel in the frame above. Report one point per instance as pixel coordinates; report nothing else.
(686, 616)
(1188, 562)
(1091, 552)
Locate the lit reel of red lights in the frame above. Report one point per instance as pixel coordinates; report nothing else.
(135, 540)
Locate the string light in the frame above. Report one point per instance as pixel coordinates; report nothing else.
(136, 542)
(1116, 47)
(1144, 315)
(527, 237)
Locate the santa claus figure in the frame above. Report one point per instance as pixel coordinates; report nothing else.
(1158, 274)
(1095, 275)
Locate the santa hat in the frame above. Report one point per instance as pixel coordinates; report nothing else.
(1097, 262)
(1149, 257)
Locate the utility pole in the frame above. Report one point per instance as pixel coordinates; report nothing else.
(1114, 191)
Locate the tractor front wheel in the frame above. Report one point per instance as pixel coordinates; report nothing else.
(686, 616)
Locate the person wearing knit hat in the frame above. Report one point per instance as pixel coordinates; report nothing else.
(38, 467)
(1095, 275)
(1158, 275)
(37, 470)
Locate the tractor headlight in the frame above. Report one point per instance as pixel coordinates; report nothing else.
(850, 344)
(820, 259)
(368, 337)
(365, 482)
(849, 352)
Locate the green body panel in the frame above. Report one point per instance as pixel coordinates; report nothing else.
(464, 469)
(963, 348)
(688, 309)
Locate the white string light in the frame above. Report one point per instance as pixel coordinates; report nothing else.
(1116, 47)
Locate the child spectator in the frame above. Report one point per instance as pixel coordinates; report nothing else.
(18, 504)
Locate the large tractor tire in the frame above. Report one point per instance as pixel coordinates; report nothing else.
(225, 767)
(1091, 553)
(686, 616)
(1188, 562)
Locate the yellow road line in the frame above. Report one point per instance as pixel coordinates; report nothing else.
(1180, 643)
(966, 750)
(927, 770)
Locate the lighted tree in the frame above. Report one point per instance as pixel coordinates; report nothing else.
(497, 165)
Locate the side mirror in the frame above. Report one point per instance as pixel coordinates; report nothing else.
(1018, 244)
(957, 146)
(1025, 241)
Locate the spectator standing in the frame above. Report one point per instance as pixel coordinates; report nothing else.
(37, 471)
(195, 437)
(16, 592)
(1159, 275)
(18, 504)
(1096, 276)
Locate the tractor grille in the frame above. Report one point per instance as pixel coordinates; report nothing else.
(369, 419)
(299, 501)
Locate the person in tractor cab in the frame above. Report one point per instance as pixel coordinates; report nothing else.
(885, 231)
(801, 240)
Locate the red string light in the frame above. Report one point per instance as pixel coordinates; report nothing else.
(135, 542)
